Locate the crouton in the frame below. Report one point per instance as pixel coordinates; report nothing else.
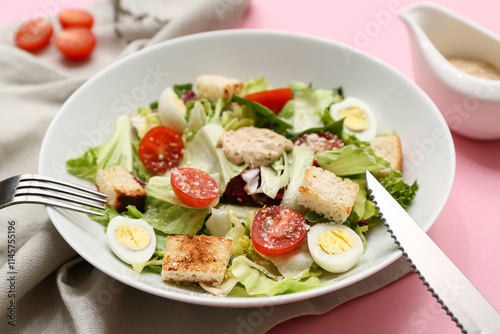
(325, 193)
(388, 148)
(196, 258)
(121, 188)
(214, 87)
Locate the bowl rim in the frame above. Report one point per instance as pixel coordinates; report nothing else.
(210, 300)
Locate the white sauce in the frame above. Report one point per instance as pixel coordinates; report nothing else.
(477, 68)
(253, 146)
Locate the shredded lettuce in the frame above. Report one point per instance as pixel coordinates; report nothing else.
(258, 282)
(230, 117)
(275, 176)
(144, 119)
(256, 85)
(116, 151)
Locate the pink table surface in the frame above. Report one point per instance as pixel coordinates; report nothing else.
(467, 229)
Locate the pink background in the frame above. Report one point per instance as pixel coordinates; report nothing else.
(467, 230)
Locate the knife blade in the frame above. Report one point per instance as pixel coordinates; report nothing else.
(461, 300)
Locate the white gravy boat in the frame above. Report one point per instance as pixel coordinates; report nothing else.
(470, 105)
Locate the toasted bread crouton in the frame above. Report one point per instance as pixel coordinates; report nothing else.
(325, 193)
(214, 87)
(121, 188)
(196, 258)
(389, 148)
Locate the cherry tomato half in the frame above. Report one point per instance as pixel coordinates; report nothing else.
(278, 230)
(194, 187)
(34, 35)
(72, 18)
(274, 99)
(75, 43)
(161, 149)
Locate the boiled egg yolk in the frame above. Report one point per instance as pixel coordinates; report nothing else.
(335, 248)
(133, 237)
(335, 241)
(356, 118)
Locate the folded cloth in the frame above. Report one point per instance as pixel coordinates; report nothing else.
(46, 286)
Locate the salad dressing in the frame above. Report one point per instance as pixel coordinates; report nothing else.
(253, 146)
(477, 68)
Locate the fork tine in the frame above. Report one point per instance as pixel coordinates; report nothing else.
(25, 184)
(55, 195)
(51, 202)
(49, 179)
(46, 190)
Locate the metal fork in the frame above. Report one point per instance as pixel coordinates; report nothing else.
(39, 189)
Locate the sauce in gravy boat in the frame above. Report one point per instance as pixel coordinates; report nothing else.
(469, 103)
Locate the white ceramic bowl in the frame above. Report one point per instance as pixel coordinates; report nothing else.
(88, 116)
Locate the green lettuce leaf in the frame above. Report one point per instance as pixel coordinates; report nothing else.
(302, 157)
(307, 108)
(258, 283)
(266, 115)
(203, 153)
(256, 85)
(116, 151)
(173, 219)
(275, 176)
(402, 192)
(145, 119)
(181, 89)
(351, 160)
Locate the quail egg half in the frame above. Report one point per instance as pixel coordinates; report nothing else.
(334, 247)
(132, 240)
(359, 118)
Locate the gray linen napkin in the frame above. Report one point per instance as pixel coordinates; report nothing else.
(45, 286)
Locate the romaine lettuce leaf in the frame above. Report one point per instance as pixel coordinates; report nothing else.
(116, 151)
(306, 109)
(259, 282)
(294, 263)
(173, 219)
(302, 157)
(203, 153)
(351, 160)
(266, 115)
(275, 176)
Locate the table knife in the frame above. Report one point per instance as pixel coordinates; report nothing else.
(470, 310)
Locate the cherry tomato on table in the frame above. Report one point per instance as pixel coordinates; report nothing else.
(161, 149)
(274, 99)
(75, 43)
(72, 18)
(34, 35)
(194, 187)
(278, 230)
